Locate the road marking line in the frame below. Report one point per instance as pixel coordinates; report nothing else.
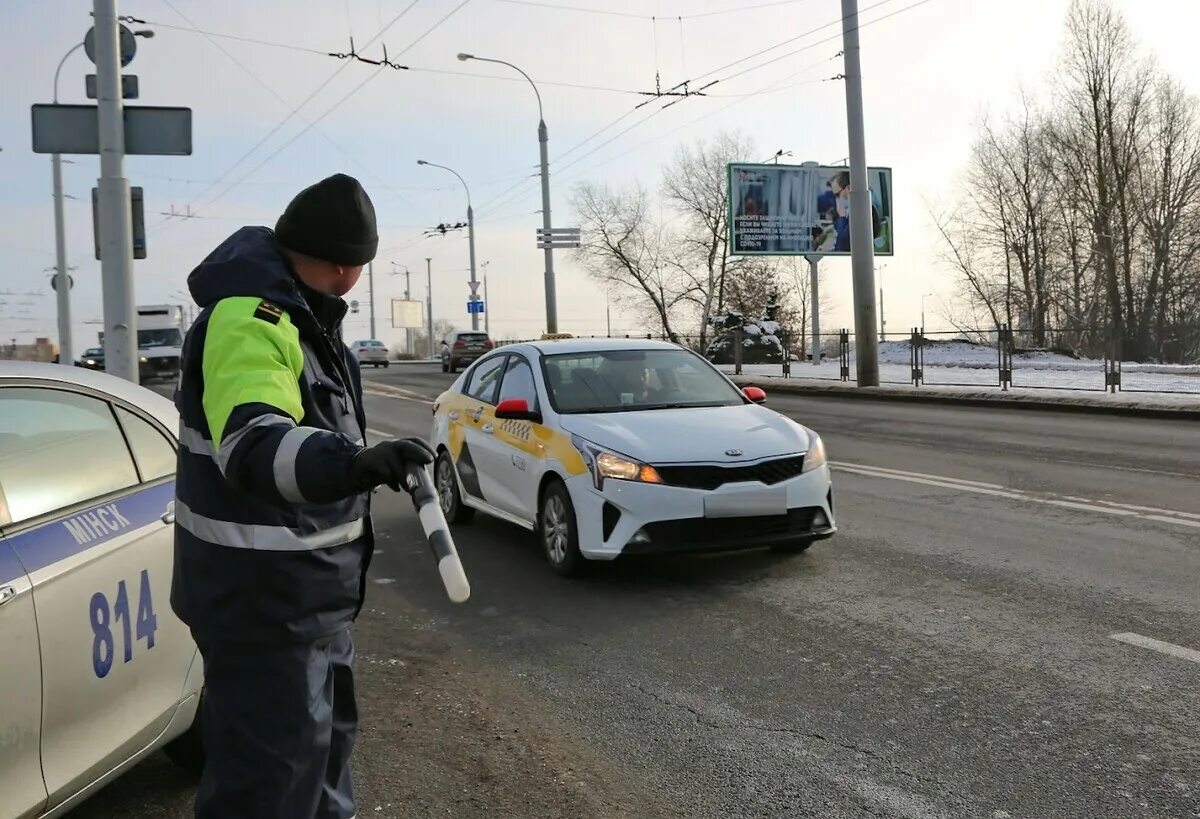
(1189, 654)
(1065, 501)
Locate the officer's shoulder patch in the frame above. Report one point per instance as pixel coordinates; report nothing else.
(268, 311)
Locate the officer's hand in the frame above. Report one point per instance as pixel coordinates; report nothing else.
(387, 462)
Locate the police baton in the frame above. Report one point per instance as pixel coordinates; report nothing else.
(437, 532)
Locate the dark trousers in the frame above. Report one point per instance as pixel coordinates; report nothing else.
(278, 725)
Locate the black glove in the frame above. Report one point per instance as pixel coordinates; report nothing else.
(387, 462)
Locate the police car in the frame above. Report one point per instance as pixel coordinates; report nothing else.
(612, 447)
(97, 671)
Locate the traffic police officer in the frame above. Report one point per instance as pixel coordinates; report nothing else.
(272, 527)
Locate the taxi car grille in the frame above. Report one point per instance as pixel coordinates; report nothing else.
(713, 476)
(701, 533)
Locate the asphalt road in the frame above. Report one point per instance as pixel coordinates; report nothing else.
(949, 654)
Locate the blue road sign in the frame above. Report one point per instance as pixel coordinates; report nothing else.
(474, 307)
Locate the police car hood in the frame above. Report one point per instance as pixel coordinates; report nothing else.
(745, 432)
(248, 263)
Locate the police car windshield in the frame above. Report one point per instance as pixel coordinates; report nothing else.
(634, 380)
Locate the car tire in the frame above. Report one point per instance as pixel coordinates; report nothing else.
(557, 532)
(449, 498)
(791, 547)
(386, 364)
(187, 749)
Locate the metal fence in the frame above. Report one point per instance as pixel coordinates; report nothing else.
(1076, 359)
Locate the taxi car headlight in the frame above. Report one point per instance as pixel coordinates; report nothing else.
(144, 360)
(815, 458)
(609, 465)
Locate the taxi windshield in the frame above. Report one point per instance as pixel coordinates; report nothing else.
(634, 380)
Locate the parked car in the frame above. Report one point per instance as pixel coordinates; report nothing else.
(92, 359)
(98, 671)
(461, 347)
(612, 447)
(370, 351)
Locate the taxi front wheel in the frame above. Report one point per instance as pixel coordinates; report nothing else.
(557, 531)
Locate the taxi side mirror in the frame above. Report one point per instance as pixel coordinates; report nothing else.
(517, 409)
(755, 394)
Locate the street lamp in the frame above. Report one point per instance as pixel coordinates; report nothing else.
(543, 150)
(470, 238)
(923, 296)
(62, 281)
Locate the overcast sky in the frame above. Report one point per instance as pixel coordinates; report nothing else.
(930, 72)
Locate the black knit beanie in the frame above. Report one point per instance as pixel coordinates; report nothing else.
(332, 220)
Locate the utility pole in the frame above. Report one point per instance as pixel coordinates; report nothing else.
(116, 221)
(471, 245)
(862, 247)
(551, 296)
(371, 294)
(814, 285)
(487, 305)
(607, 314)
(429, 299)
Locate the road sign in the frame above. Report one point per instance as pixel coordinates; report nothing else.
(149, 130)
(558, 238)
(354, 306)
(408, 313)
(127, 45)
(474, 289)
(129, 86)
(475, 306)
(139, 221)
(54, 282)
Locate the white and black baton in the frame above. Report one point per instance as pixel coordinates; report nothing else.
(437, 532)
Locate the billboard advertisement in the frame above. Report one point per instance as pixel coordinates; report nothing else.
(408, 313)
(798, 210)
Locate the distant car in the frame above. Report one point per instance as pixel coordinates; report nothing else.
(612, 447)
(92, 359)
(461, 347)
(98, 671)
(371, 352)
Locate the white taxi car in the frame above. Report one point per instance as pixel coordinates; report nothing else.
(611, 447)
(97, 670)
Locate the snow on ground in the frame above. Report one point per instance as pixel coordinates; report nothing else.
(1155, 400)
(963, 364)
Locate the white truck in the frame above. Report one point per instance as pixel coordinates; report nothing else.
(160, 329)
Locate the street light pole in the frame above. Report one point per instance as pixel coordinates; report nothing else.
(407, 280)
(544, 159)
(371, 294)
(862, 247)
(470, 239)
(487, 305)
(429, 300)
(62, 280)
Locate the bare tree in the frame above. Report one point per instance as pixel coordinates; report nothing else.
(624, 247)
(696, 186)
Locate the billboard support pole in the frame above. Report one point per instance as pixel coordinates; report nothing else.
(861, 240)
(814, 285)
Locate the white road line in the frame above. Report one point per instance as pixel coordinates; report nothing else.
(1062, 501)
(1189, 654)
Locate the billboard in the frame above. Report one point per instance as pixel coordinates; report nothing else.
(798, 210)
(408, 313)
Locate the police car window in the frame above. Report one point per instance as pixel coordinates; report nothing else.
(153, 452)
(518, 382)
(58, 448)
(485, 378)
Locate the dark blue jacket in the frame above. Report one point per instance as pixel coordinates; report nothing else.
(272, 541)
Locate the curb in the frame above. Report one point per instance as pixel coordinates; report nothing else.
(999, 401)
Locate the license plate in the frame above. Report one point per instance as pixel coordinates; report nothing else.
(759, 503)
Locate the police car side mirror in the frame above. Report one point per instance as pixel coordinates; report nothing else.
(517, 409)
